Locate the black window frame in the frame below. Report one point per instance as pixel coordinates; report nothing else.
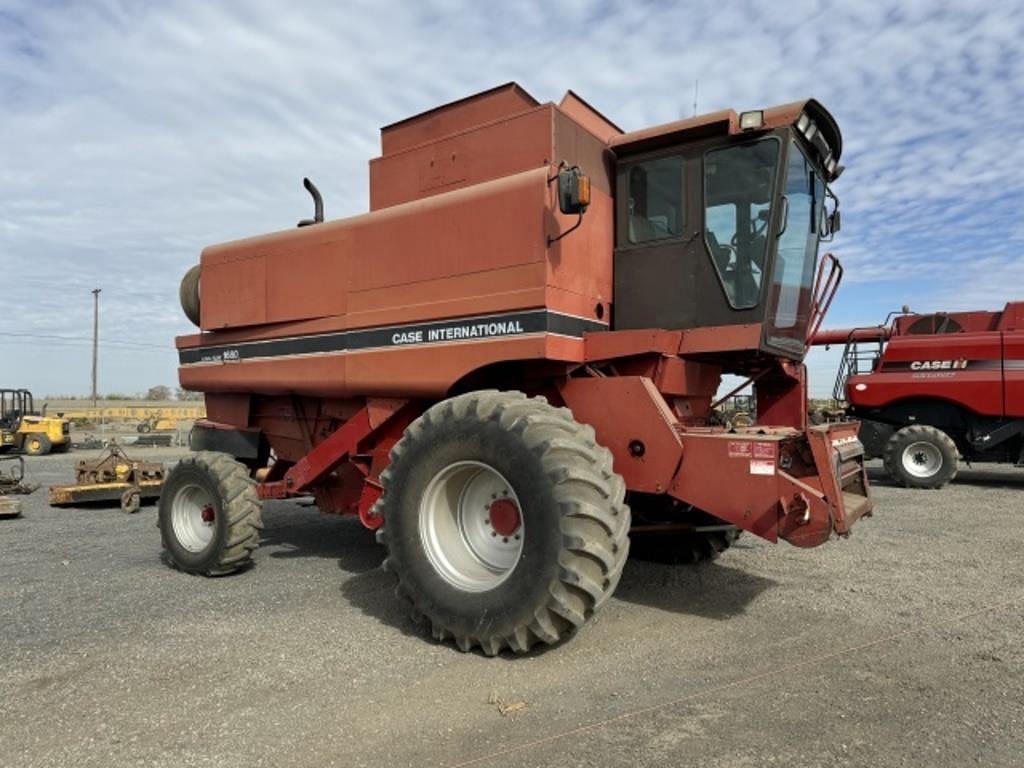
(775, 211)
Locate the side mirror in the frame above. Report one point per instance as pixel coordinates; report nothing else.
(835, 221)
(573, 191)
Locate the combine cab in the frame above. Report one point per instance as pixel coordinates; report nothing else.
(511, 362)
(930, 387)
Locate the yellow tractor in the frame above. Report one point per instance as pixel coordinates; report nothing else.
(24, 430)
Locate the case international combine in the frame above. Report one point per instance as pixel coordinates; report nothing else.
(928, 387)
(513, 358)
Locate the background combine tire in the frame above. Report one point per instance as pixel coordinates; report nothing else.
(188, 293)
(683, 547)
(921, 457)
(210, 515)
(687, 547)
(37, 444)
(503, 520)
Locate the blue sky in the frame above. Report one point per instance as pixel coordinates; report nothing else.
(135, 133)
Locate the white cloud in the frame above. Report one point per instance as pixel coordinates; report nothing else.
(135, 133)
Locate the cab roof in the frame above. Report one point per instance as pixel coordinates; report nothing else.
(727, 123)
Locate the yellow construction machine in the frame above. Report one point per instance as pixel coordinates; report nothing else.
(24, 430)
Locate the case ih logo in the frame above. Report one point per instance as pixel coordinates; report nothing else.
(938, 365)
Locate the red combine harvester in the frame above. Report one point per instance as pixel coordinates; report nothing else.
(513, 358)
(927, 387)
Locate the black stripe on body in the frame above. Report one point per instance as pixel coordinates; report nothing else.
(506, 325)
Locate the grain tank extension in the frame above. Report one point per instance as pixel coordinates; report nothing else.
(509, 365)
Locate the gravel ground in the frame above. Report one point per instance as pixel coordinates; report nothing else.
(901, 646)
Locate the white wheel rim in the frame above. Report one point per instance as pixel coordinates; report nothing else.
(193, 517)
(471, 526)
(922, 459)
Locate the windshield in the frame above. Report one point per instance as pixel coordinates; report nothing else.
(793, 278)
(739, 182)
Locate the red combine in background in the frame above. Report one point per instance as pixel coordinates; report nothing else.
(509, 365)
(929, 387)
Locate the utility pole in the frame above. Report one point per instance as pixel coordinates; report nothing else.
(95, 338)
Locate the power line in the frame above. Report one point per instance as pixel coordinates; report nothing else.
(79, 339)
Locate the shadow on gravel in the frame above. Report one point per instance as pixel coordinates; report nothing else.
(293, 531)
(710, 590)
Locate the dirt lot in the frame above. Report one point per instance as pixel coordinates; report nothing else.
(901, 646)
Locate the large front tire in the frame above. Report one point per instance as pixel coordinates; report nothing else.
(209, 515)
(504, 521)
(920, 456)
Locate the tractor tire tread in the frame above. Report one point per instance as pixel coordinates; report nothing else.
(239, 504)
(589, 497)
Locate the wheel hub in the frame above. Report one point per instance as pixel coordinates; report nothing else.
(922, 459)
(504, 517)
(471, 526)
(193, 513)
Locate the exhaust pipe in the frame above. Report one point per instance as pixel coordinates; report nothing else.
(318, 204)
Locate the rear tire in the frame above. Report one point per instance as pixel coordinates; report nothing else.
(209, 515)
(920, 456)
(468, 477)
(37, 444)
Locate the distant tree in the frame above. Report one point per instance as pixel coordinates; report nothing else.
(184, 394)
(117, 396)
(158, 393)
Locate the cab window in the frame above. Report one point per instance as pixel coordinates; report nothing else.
(739, 183)
(655, 200)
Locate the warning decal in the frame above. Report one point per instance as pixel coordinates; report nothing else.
(740, 449)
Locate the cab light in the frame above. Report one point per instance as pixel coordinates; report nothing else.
(751, 120)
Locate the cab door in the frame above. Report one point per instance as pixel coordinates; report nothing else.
(683, 221)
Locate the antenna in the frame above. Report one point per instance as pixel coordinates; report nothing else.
(696, 90)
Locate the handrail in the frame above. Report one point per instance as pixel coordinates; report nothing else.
(823, 293)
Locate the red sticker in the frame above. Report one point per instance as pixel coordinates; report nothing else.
(764, 450)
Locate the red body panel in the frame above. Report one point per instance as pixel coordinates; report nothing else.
(774, 483)
(976, 363)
